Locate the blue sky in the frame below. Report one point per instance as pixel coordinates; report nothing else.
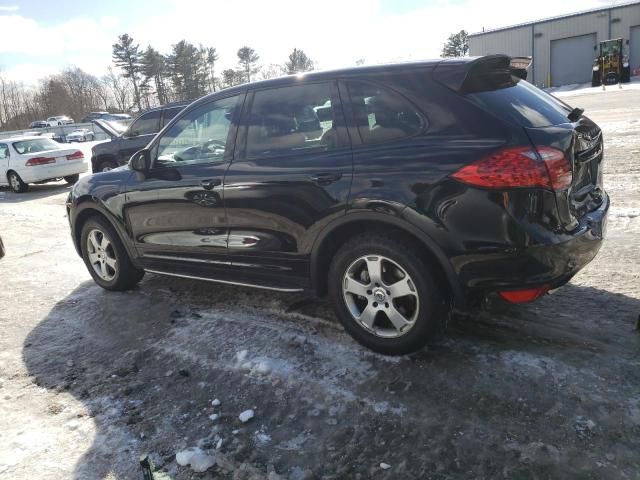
(41, 37)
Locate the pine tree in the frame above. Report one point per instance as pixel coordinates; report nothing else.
(298, 62)
(457, 45)
(187, 72)
(154, 68)
(127, 56)
(212, 58)
(248, 58)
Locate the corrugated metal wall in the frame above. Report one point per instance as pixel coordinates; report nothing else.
(519, 40)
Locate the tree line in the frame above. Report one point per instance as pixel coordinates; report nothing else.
(139, 79)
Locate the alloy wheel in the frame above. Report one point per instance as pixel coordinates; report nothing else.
(381, 296)
(102, 255)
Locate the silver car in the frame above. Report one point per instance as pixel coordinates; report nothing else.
(81, 135)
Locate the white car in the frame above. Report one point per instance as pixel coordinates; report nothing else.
(59, 120)
(81, 135)
(25, 160)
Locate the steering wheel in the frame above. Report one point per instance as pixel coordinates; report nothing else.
(216, 144)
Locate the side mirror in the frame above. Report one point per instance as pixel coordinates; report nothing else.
(140, 161)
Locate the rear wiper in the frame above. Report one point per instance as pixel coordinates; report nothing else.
(575, 114)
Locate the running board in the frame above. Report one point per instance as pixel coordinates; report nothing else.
(226, 282)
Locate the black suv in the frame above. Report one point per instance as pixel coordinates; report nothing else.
(125, 142)
(402, 190)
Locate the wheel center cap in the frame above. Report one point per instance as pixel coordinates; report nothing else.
(379, 295)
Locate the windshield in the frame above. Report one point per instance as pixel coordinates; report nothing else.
(35, 145)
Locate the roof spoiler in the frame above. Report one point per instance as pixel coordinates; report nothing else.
(482, 73)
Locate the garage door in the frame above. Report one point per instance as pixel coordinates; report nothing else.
(634, 48)
(572, 59)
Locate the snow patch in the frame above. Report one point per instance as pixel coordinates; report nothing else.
(246, 416)
(198, 460)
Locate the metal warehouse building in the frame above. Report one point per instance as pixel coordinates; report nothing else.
(563, 48)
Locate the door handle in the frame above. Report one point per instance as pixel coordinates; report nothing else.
(209, 184)
(325, 178)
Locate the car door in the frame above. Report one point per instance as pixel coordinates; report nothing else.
(4, 162)
(175, 211)
(138, 135)
(289, 178)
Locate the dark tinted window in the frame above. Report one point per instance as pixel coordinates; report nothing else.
(381, 114)
(291, 119)
(146, 124)
(522, 104)
(169, 113)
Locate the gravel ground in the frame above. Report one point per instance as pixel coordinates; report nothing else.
(91, 380)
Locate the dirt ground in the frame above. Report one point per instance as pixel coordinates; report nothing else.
(91, 380)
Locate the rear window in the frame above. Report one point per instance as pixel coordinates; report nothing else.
(522, 104)
(35, 146)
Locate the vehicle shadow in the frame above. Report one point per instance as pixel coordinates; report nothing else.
(35, 192)
(147, 363)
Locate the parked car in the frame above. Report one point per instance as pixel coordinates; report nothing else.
(126, 141)
(428, 187)
(38, 124)
(25, 160)
(80, 135)
(117, 117)
(59, 120)
(93, 116)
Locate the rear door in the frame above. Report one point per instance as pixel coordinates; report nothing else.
(290, 177)
(138, 135)
(4, 162)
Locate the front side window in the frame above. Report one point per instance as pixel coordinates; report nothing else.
(383, 115)
(147, 124)
(200, 136)
(291, 119)
(4, 151)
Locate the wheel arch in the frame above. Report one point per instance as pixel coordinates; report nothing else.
(334, 235)
(87, 210)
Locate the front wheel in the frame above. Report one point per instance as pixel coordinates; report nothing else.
(106, 257)
(385, 296)
(16, 183)
(71, 179)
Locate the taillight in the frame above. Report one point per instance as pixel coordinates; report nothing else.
(32, 162)
(519, 167)
(77, 155)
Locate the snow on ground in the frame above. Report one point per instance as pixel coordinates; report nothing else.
(586, 88)
(91, 380)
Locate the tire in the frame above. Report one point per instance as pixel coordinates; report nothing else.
(422, 310)
(106, 165)
(113, 269)
(71, 179)
(16, 184)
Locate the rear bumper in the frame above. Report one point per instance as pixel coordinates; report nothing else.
(552, 264)
(41, 173)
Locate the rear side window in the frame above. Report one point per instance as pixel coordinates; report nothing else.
(291, 119)
(4, 151)
(522, 104)
(381, 114)
(145, 125)
(169, 113)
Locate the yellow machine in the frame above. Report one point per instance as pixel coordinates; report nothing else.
(611, 66)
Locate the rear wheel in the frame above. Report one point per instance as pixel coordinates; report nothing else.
(106, 257)
(385, 296)
(71, 179)
(16, 183)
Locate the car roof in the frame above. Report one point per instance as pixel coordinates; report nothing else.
(19, 139)
(358, 71)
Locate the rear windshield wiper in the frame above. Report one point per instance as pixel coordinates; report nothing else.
(575, 114)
